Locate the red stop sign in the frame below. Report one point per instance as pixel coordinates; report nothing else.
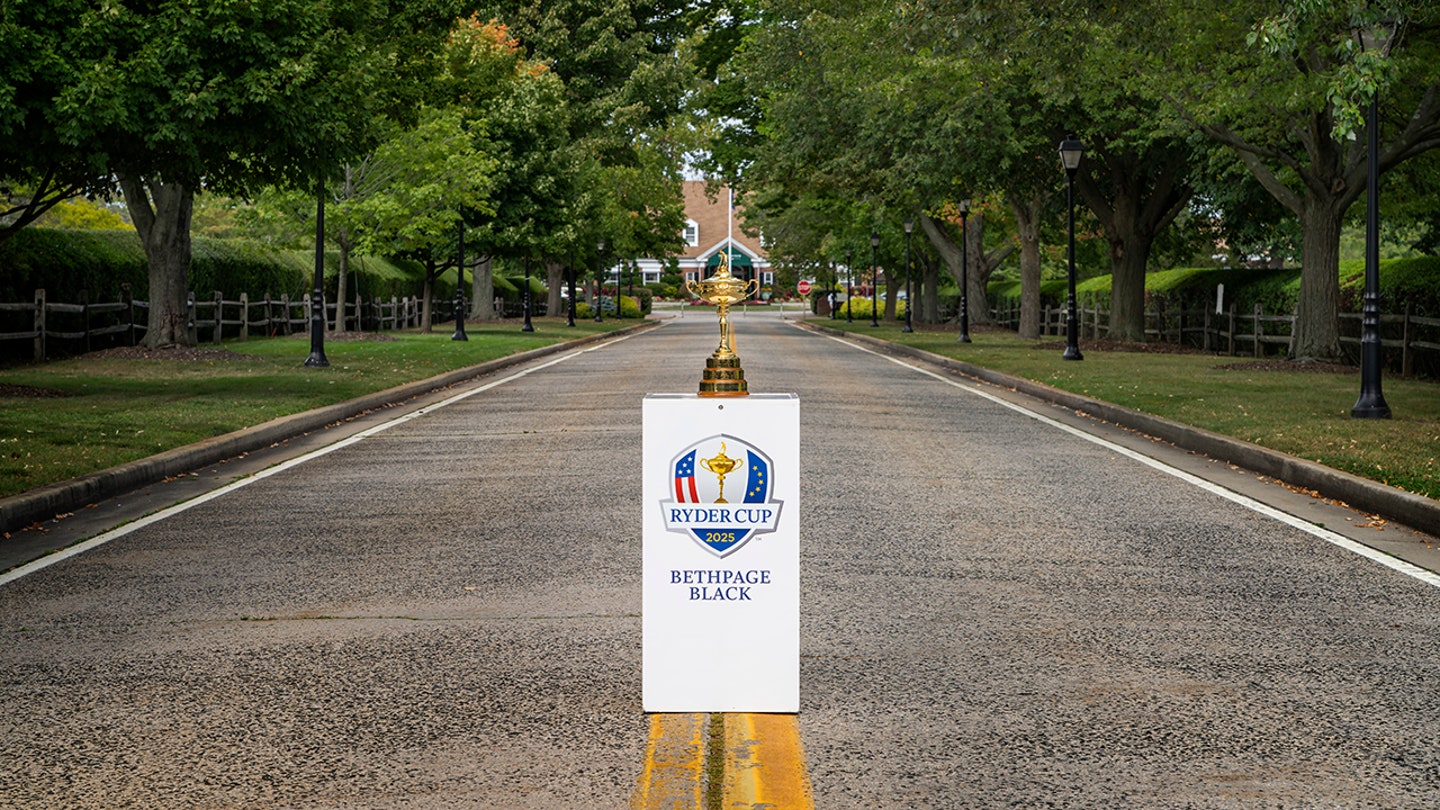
(803, 287)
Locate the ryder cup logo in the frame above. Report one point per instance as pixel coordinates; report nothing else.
(702, 473)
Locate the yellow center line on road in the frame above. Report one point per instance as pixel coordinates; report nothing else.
(673, 777)
(763, 764)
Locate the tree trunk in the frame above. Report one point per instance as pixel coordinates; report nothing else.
(1317, 319)
(1135, 196)
(893, 281)
(555, 281)
(1027, 219)
(343, 242)
(945, 245)
(161, 212)
(426, 309)
(981, 266)
(930, 298)
(1128, 256)
(482, 290)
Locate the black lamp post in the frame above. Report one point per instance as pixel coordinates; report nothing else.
(1371, 404)
(1070, 151)
(849, 286)
(909, 296)
(570, 310)
(599, 285)
(619, 282)
(460, 290)
(874, 277)
(528, 327)
(317, 358)
(964, 272)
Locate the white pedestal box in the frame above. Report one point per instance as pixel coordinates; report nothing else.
(721, 553)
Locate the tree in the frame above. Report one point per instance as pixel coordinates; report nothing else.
(37, 171)
(411, 193)
(175, 97)
(1288, 107)
(525, 127)
(1080, 77)
(908, 129)
(622, 85)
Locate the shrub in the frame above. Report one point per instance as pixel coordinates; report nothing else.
(862, 309)
(1277, 290)
(629, 307)
(1414, 281)
(65, 263)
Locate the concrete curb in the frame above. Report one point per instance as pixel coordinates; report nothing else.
(43, 503)
(1413, 510)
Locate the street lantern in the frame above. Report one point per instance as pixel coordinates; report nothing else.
(317, 358)
(964, 272)
(460, 288)
(528, 327)
(909, 296)
(1371, 404)
(570, 310)
(599, 286)
(874, 277)
(1070, 153)
(1376, 37)
(834, 282)
(849, 286)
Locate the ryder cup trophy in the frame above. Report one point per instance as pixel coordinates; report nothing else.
(723, 376)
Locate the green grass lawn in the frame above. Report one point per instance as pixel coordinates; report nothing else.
(1302, 413)
(118, 410)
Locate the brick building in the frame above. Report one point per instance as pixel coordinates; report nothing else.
(709, 233)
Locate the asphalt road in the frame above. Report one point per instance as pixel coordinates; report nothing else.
(996, 612)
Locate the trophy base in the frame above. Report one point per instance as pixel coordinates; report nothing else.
(723, 378)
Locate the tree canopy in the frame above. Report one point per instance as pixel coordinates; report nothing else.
(546, 127)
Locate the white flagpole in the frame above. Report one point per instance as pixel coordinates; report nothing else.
(730, 229)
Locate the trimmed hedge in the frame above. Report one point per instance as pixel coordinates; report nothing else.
(1402, 281)
(1413, 281)
(67, 263)
(64, 263)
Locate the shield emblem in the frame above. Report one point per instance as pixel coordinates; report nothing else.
(722, 488)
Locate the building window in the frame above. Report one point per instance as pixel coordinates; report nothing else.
(692, 233)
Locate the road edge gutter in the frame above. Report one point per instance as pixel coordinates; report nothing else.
(1372, 497)
(43, 503)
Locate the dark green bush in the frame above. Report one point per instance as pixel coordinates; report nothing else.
(645, 297)
(1402, 281)
(67, 263)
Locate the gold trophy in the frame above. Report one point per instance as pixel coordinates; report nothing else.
(722, 465)
(723, 376)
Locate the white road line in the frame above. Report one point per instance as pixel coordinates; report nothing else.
(1428, 577)
(171, 511)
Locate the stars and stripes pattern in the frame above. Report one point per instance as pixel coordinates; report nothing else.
(685, 479)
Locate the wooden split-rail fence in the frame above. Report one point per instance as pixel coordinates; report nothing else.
(86, 326)
(1254, 333)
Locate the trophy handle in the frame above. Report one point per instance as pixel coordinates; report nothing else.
(751, 288)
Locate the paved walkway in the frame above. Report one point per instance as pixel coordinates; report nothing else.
(999, 610)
